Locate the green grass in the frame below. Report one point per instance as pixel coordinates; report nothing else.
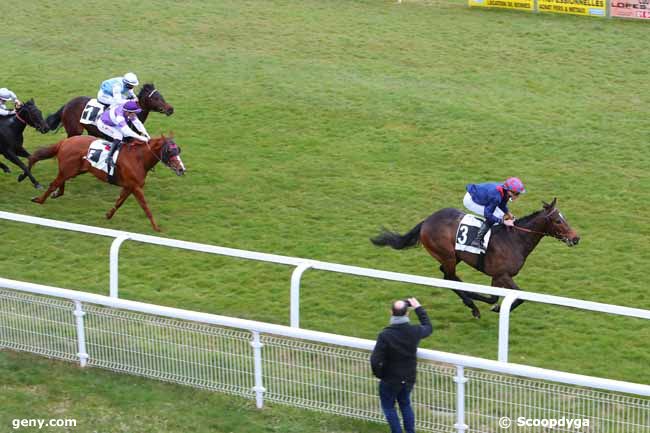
(305, 126)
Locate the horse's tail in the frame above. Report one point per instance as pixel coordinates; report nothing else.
(397, 241)
(54, 120)
(44, 153)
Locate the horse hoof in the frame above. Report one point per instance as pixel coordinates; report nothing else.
(496, 309)
(476, 313)
(36, 200)
(6, 170)
(38, 186)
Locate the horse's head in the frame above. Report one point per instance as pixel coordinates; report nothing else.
(31, 115)
(557, 226)
(170, 156)
(151, 99)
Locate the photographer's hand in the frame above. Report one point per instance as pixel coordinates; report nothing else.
(414, 303)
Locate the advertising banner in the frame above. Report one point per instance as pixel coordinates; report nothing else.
(526, 5)
(596, 8)
(631, 9)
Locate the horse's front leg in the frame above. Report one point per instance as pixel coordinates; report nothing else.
(13, 158)
(506, 282)
(139, 195)
(124, 194)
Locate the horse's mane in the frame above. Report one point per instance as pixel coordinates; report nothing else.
(146, 88)
(528, 218)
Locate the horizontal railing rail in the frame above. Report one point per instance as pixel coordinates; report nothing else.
(302, 264)
(323, 337)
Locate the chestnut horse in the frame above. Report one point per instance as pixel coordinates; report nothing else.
(149, 98)
(11, 137)
(506, 253)
(134, 162)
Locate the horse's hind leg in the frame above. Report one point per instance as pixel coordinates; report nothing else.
(448, 268)
(56, 183)
(5, 168)
(59, 192)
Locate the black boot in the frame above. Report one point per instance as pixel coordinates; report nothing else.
(109, 159)
(478, 240)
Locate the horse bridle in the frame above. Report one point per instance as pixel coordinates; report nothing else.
(162, 151)
(547, 217)
(20, 118)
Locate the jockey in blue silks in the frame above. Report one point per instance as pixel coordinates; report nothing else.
(7, 95)
(113, 123)
(117, 90)
(491, 201)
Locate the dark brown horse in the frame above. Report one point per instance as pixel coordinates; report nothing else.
(506, 253)
(135, 161)
(149, 97)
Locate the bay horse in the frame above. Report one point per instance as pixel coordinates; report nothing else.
(11, 137)
(149, 98)
(506, 253)
(134, 162)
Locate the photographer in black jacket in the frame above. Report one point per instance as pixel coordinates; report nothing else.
(393, 360)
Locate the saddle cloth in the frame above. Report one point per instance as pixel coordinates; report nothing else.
(91, 112)
(98, 153)
(467, 230)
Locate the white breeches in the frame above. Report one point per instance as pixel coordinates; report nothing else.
(108, 130)
(107, 99)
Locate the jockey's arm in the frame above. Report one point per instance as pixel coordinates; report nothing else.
(4, 111)
(117, 93)
(128, 132)
(131, 94)
(140, 127)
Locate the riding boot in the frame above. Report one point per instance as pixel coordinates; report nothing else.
(478, 240)
(109, 159)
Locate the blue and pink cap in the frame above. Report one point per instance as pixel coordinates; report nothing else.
(515, 185)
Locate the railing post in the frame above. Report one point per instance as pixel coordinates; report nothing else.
(81, 335)
(113, 265)
(460, 380)
(257, 364)
(504, 326)
(295, 293)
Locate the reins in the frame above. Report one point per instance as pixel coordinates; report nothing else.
(524, 229)
(20, 118)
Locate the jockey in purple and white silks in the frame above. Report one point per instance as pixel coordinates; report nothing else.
(113, 123)
(490, 200)
(117, 90)
(7, 95)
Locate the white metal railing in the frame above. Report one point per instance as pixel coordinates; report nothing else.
(301, 265)
(299, 367)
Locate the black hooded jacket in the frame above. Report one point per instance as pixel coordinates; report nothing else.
(393, 359)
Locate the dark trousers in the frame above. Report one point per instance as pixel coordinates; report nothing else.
(389, 394)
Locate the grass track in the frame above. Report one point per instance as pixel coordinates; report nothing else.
(306, 126)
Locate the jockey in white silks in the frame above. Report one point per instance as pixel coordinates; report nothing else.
(117, 90)
(7, 95)
(113, 123)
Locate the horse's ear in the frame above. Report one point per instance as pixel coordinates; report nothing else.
(31, 101)
(553, 202)
(545, 205)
